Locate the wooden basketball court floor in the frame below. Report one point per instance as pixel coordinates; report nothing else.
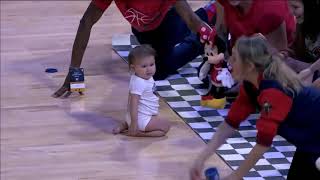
(43, 138)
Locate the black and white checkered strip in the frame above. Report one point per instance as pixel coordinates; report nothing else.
(123, 43)
(182, 92)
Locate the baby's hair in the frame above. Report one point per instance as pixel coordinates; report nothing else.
(140, 52)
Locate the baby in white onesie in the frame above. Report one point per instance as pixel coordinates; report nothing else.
(142, 116)
(148, 102)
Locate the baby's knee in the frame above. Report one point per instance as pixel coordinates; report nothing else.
(166, 127)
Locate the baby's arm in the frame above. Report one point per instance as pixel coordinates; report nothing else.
(133, 109)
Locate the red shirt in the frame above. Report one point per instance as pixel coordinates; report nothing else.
(264, 16)
(141, 14)
(269, 121)
(215, 72)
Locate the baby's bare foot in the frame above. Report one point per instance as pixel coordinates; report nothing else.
(121, 128)
(116, 130)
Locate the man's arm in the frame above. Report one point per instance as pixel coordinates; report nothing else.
(189, 17)
(195, 24)
(278, 40)
(278, 37)
(90, 17)
(220, 25)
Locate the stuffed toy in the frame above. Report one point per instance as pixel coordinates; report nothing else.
(215, 71)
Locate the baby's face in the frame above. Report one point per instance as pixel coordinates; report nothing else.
(145, 67)
(297, 9)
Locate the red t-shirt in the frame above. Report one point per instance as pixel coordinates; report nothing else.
(215, 72)
(264, 16)
(141, 14)
(268, 122)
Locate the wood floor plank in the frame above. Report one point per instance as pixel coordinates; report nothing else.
(43, 138)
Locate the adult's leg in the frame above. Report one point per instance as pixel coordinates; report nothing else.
(152, 38)
(181, 51)
(171, 31)
(303, 166)
(175, 44)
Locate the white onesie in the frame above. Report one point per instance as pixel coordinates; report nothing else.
(148, 104)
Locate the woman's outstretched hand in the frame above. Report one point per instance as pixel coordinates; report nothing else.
(196, 170)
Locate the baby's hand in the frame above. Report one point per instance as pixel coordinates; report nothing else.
(133, 130)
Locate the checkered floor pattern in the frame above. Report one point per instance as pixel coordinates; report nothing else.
(182, 92)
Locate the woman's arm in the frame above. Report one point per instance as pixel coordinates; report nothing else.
(254, 155)
(239, 111)
(224, 131)
(267, 127)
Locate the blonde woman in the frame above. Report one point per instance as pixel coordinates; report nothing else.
(286, 108)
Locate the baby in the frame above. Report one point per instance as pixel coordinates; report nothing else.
(142, 117)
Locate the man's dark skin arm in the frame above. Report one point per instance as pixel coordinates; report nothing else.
(189, 17)
(90, 17)
(93, 14)
(194, 23)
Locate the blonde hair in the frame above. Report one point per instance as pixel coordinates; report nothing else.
(256, 50)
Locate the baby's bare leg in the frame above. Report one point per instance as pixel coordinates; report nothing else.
(157, 127)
